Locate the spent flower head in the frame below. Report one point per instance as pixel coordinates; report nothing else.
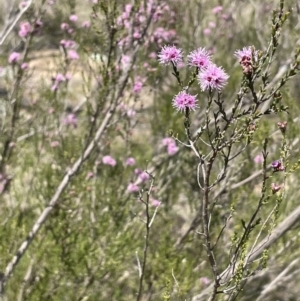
(282, 126)
(245, 54)
(170, 54)
(212, 77)
(199, 58)
(277, 165)
(246, 57)
(184, 101)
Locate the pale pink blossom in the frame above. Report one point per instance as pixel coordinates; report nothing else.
(73, 18)
(258, 159)
(132, 188)
(14, 57)
(144, 176)
(25, 29)
(64, 26)
(130, 161)
(73, 55)
(217, 9)
(71, 119)
(155, 203)
(108, 160)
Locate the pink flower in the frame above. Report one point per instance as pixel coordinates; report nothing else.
(130, 113)
(275, 187)
(138, 84)
(170, 143)
(73, 18)
(108, 160)
(207, 31)
(245, 54)
(167, 141)
(138, 171)
(125, 60)
(217, 9)
(170, 54)
(277, 166)
(258, 159)
(24, 66)
(64, 26)
(184, 101)
(68, 43)
(14, 57)
(172, 149)
(212, 24)
(137, 87)
(246, 57)
(71, 119)
(25, 29)
(155, 203)
(144, 176)
(86, 24)
(128, 8)
(59, 78)
(73, 55)
(132, 188)
(212, 77)
(137, 35)
(130, 161)
(199, 58)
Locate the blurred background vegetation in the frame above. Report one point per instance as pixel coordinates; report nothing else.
(88, 247)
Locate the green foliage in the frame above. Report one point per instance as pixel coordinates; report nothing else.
(92, 244)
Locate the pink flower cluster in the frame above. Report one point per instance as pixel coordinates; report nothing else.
(108, 160)
(71, 119)
(277, 166)
(143, 176)
(57, 80)
(14, 58)
(130, 161)
(138, 84)
(170, 144)
(25, 29)
(70, 45)
(210, 76)
(162, 35)
(140, 16)
(66, 26)
(130, 112)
